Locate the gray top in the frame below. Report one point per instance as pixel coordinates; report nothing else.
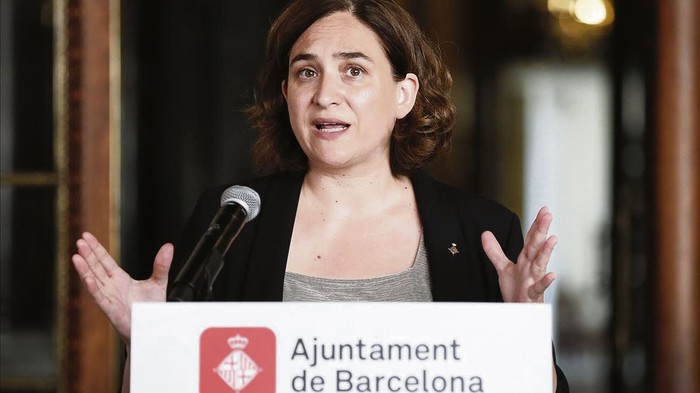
(412, 285)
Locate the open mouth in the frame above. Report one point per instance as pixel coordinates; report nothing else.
(331, 126)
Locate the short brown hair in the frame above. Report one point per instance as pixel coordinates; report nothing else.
(416, 139)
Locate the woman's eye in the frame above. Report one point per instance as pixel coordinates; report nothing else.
(355, 71)
(307, 73)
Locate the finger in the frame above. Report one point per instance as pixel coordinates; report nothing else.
(545, 253)
(537, 233)
(161, 265)
(103, 257)
(494, 251)
(88, 278)
(81, 266)
(537, 289)
(538, 229)
(91, 262)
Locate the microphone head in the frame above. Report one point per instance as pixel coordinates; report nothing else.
(246, 197)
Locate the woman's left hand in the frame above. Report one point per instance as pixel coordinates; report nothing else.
(526, 280)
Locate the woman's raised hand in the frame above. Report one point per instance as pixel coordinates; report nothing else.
(526, 280)
(112, 288)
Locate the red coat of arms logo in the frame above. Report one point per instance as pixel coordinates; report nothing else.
(237, 360)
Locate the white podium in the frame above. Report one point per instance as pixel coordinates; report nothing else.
(341, 347)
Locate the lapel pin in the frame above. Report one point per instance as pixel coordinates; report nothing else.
(454, 249)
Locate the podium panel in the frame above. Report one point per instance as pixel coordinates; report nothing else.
(341, 347)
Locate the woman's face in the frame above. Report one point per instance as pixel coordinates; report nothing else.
(341, 95)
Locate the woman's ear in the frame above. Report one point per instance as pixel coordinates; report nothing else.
(406, 93)
(284, 89)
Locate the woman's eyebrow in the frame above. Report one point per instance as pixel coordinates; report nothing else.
(303, 57)
(352, 55)
(338, 55)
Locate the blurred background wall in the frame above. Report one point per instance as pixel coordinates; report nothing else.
(116, 114)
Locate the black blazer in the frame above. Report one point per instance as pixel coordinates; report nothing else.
(256, 263)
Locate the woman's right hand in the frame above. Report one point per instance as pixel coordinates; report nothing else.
(112, 288)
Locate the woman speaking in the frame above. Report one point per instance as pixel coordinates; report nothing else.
(352, 101)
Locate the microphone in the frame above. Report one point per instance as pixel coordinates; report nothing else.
(194, 282)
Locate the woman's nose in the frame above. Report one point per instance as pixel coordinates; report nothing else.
(328, 91)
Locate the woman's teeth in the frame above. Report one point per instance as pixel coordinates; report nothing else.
(331, 127)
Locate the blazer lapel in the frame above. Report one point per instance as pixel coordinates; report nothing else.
(268, 259)
(453, 264)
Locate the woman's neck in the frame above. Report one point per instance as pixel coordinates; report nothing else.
(344, 190)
